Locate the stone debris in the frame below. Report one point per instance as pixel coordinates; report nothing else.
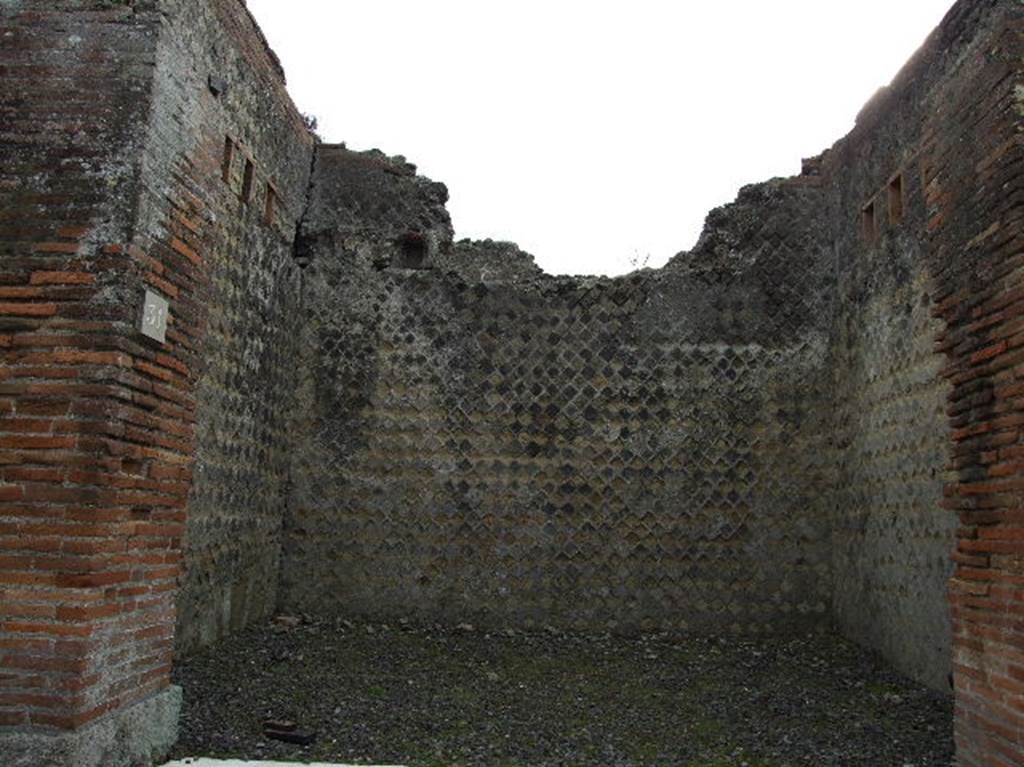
(287, 732)
(435, 695)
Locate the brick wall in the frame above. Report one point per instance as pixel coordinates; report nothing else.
(950, 125)
(90, 533)
(972, 165)
(116, 132)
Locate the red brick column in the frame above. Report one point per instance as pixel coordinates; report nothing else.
(113, 184)
(976, 200)
(94, 418)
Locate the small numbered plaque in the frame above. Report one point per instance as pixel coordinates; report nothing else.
(154, 316)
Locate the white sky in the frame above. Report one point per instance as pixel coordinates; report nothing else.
(592, 133)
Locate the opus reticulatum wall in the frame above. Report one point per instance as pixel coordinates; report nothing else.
(633, 453)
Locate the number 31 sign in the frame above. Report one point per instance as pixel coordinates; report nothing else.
(154, 317)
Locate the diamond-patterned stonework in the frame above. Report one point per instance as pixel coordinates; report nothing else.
(644, 452)
(892, 536)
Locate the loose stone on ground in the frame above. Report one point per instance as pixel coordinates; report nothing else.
(429, 696)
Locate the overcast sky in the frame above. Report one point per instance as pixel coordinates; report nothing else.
(594, 134)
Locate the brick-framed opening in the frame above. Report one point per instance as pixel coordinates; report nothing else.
(228, 160)
(248, 179)
(270, 204)
(894, 197)
(869, 222)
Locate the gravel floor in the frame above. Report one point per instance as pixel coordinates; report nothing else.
(432, 696)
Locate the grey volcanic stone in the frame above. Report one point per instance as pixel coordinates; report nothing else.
(139, 736)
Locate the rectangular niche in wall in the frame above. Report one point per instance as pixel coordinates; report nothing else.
(868, 222)
(412, 252)
(247, 180)
(896, 199)
(226, 162)
(270, 205)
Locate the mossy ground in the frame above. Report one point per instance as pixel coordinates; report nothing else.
(428, 696)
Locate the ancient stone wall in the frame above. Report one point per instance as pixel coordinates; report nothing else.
(812, 415)
(972, 158)
(892, 538)
(117, 118)
(926, 227)
(87, 575)
(225, 180)
(927, 206)
(642, 452)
